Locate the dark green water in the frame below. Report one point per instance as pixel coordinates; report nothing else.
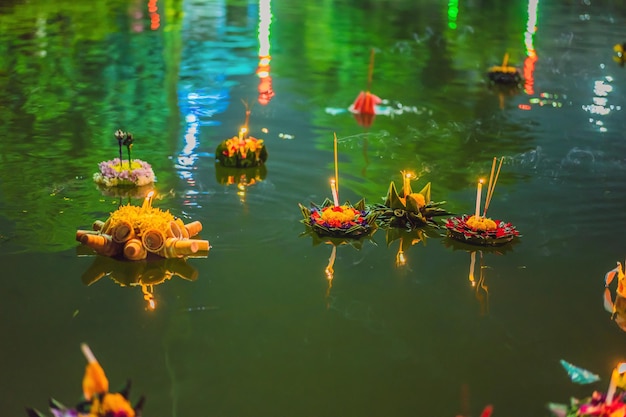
(258, 332)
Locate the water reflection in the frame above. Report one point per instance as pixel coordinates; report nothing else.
(143, 274)
(477, 268)
(407, 239)
(241, 178)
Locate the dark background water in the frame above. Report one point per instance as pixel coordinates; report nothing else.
(259, 332)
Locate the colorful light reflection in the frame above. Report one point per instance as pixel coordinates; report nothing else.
(453, 13)
(155, 19)
(531, 54)
(263, 70)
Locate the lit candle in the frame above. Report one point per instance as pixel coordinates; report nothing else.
(242, 132)
(615, 377)
(478, 193)
(406, 188)
(333, 188)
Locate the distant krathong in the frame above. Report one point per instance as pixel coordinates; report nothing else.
(119, 173)
(116, 173)
(242, 151)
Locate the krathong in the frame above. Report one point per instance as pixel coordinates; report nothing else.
(618, 272)
(120, 173)
(609, 404)
(364, 106)
(98, 400)
(134, 232)
(331, 219)
(479, 229)
(617, 308)
(408, 209)
(344, 221)
(143, 274)
(480, 232)
(505, 74)
(242, 151)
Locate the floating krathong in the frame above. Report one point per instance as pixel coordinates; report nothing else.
(242, 151)
(143, 274)
(364, 106)
(98, 401)
(408, 209)
(609, 404)
(343, 221)
(134, 232)
(331, 219)
(481, 230)
(617, 308)
(618, 272)
(120, 173)
(505, 74)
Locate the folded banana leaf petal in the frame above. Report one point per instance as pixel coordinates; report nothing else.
(410, 211)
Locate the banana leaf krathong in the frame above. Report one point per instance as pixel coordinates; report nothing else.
(241, 152)
(344, 221)
(408, 211)
(459, 229)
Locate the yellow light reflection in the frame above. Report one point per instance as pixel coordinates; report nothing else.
(480, 287)
(330, 271)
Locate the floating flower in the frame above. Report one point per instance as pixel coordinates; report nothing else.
(99, 401)
(341, 221)
(480, 232)
(114, 173)
(240, 151)
(594, 406)
(408, 210)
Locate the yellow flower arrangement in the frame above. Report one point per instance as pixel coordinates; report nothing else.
(145, 218)
(481, 223)
(337, 216)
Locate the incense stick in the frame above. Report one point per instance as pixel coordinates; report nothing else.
(336, 164)
(493, 187)
(91, 358)
(493, 170)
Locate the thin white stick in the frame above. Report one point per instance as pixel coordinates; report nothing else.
(91, 358)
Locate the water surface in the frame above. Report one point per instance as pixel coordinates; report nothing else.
(255, 328)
